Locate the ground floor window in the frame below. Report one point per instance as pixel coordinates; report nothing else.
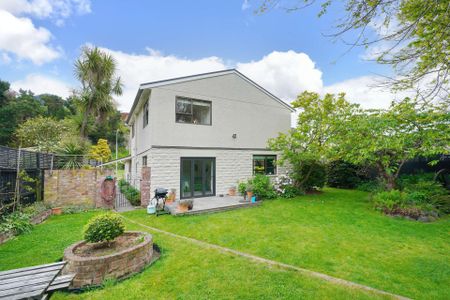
(144, 161)
(264, 164)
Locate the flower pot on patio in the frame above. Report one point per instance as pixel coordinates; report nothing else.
(249, 196)
(185, 205)
(56, 210)
(249, 191)
(232, 191)
(171, 196)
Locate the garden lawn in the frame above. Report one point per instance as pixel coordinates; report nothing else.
(184, 271)
(337, 233)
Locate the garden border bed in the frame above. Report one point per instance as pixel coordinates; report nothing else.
(94, 270)
(37, 219)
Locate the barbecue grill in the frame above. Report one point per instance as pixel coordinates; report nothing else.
(160, 199)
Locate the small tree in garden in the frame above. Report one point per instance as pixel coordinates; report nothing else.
(311, 142)
(386, 139)
(101, 151)
(41, 132)
(103, 228)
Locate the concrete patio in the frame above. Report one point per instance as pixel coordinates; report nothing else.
(212, 204)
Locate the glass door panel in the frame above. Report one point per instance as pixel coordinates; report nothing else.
(198, 177)
(209, 177)
(186, 190)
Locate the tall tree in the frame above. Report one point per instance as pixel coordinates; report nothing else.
(4, 89)
(413, 36)
(386, 139)
(56, 106)
(41, 132)
(18, 109)
(96, 70)
(312, 140)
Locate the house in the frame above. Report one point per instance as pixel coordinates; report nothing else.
(201, 134)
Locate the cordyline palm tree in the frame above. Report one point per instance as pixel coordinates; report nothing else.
(96, 70)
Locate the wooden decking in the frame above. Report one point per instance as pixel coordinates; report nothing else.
(212, 204)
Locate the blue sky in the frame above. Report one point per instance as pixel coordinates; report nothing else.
(152, 40)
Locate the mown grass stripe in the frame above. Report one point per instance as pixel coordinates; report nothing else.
(311, 273)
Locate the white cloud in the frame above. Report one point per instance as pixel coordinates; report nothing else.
(18, 34)
(135, 69)
(285, 74)
(4, 58)
(55, 9)
(245, 5)
(21, 37)
(365, 91)
(42, 84)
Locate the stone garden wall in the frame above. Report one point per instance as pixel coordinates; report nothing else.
(74, 187)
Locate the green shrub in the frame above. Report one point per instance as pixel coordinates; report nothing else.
(74, 209)
(407, 180)
(390, 200)
(122, 182)
(262, 187)
(309, 176)
(371, 186)
(17, 222)
(103, 228)
(133, 195)
(35, 208)
(341, 174)
(130, 192)
(427, 193)
(242, 187)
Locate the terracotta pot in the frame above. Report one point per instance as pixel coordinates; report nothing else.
(249, 196)
(182, 208)
(56, 210)
(232, 191)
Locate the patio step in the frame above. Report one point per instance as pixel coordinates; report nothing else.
(214, 209)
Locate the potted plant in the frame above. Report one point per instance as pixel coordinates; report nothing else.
(171, 196)
(242, 186)
(185, 205)
(232, 191)
(249, 190)
(56, 210)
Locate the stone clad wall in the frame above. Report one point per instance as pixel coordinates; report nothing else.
(74, 187)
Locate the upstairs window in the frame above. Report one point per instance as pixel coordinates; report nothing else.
(264, 164)
(144, 161)
(145, 114)
(193, 111)
(132, 131)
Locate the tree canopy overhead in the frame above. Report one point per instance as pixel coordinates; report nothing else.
(413, 36)
(330, 128)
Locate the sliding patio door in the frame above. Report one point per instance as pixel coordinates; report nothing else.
(197, 177)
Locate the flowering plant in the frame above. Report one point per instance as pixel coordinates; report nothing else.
(284, 186)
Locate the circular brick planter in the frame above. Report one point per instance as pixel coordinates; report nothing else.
(92, 270)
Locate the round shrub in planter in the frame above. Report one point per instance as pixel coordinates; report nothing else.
(108, 252)
(103, 228)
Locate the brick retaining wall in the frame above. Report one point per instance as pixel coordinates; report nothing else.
(94, 270)
(74, 187)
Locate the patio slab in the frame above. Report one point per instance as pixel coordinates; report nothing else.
(212, 204)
